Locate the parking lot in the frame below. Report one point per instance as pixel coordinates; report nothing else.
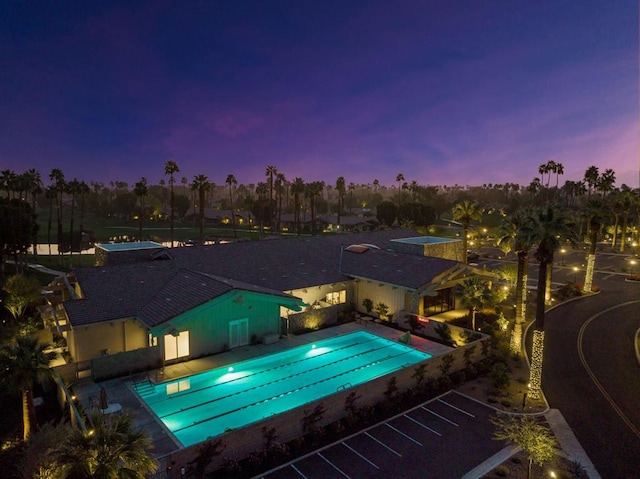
(443, 438)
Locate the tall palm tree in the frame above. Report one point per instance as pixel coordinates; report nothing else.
(351, 187)
(465, 212)
(57, 177)
(72, 188)
(270, 172)
(279, 187)
(141, 190)
(627, 203)
(591, 179)
(22, 364)
(549, 228)
(201, 185)
(231, 183)
(171, 168)
(596, 213)
(399, 179)
(341, 189)
(297, 188)
(51, 194)
(312, 191)
(84, 190)
(515, 236)
(474, 293)
(35, 186)
(113, 449)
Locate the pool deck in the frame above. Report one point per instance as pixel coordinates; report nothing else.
(120, 390)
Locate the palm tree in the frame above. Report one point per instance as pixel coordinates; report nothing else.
(399, 179)
(22, 364)
(465, 212)
(170, 168)
(341, 189)
(35, 187)
(312, 191)
(270, 172)
(549, 228)
(141, 190)
(474, 293)
(591, 179)
(297, 188)
(231, 182)
(280, 187)
(57, 177)
(627, 202)
(112, 449)
(351, 188)
(72, 188)
(51, 194)
(514, 236)
(84, 190)
(596, 213)
(201, 185)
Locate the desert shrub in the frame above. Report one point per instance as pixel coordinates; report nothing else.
(500, 375)
(502, 471)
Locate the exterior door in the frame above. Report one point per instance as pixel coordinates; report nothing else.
(238, 333)
(176, 346)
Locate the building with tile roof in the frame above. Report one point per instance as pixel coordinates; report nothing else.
(200, 300)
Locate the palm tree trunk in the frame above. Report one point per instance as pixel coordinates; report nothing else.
(547, 288)
(537, 351)
(591, 264)
(521, 302)
(28, 412)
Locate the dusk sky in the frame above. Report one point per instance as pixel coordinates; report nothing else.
(444, 92)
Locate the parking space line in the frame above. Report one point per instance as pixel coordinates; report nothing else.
(383, 445)
(359, 455)
(456, 408)
(403, 434)
(298, 471)
(423, 425)
(441, 417)
(333, 465)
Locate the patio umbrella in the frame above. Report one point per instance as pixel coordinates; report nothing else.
(104, 400)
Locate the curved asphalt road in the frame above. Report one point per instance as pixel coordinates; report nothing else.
(592, 376)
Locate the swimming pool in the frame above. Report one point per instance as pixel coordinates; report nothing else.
(205, 405)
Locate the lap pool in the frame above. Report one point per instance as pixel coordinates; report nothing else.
(204, 405)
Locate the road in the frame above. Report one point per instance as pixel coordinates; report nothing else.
(591, 373)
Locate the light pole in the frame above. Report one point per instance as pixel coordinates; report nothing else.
(575, 274)
(562, 252)
(633, 263)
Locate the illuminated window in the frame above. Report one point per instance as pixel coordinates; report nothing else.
(176, 346)
(337, 297)
(153, 341)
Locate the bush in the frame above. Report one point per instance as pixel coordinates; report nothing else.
(500, 375)
(502, 471)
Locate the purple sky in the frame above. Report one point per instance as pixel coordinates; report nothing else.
(445, 92)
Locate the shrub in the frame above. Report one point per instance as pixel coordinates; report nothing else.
(368, 305)
(500, 375)
(502, 471)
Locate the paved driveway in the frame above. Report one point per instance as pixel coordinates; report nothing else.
(443, 438)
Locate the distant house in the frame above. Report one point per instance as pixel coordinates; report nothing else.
(187, 302)
(214, 217)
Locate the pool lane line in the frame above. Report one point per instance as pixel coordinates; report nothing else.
(383, 444)
(334, 466)
(358, 454)
(344, 373)
(456, 408)
(422, 425)
(441, 417)
(403, 434)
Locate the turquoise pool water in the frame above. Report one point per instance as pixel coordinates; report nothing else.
(206, 404)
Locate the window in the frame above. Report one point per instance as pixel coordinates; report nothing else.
(176, 346)
(153, 341)
(337, 297)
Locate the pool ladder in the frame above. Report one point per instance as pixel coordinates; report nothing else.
(344, 386)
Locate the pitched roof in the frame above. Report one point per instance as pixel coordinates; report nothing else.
(399, 269)
(200, 273)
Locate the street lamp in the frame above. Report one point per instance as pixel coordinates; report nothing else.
(575, 274)
(562, 252)
(633, 263)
